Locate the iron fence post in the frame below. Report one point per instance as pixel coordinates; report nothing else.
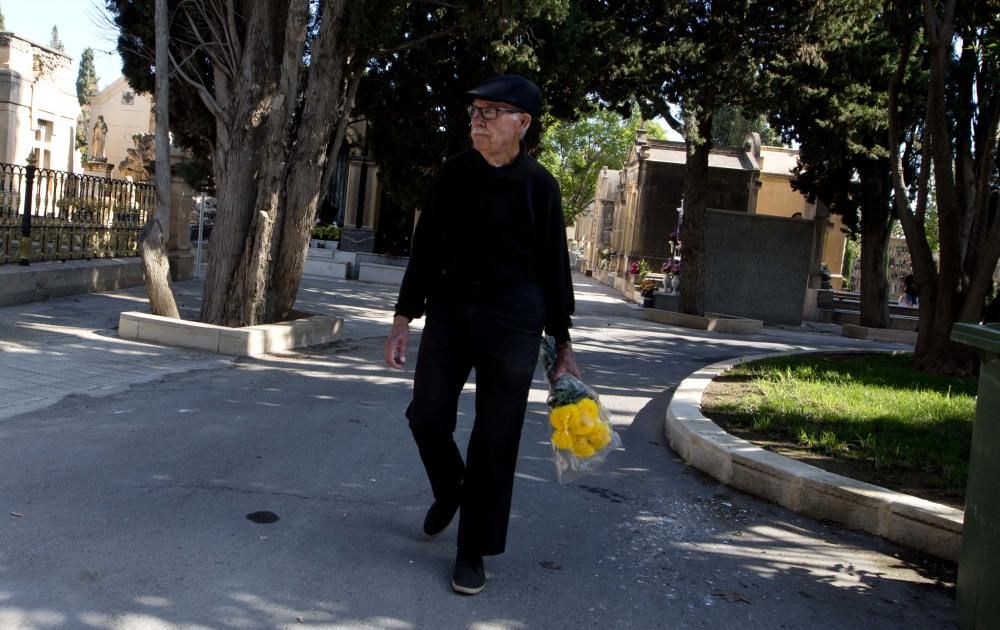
(26, 217)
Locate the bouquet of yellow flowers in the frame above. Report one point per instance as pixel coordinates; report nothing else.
(581, 433)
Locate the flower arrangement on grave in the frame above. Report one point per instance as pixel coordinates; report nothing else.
(605, 257)
(672, 267)
(647, 287)
(322, 232)
(639, 268)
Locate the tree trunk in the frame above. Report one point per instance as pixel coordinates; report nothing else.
(692, 298)
(254, 279)
(960, 145)
(875, 235)
(153, 251)
(152, 241)
(270, 171)
(876, 231)
(327, 101)
(236, 194)
(249, 159)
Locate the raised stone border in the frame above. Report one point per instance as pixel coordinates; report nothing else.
(325, 266)
(380, 274)
(304, 329)
(46, 280)
(889, 335)
(930, 527)
(711, 321)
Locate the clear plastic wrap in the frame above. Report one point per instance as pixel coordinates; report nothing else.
(579, 426)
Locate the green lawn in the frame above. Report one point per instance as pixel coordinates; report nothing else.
(869, 408)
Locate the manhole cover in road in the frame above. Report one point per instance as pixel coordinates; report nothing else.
(262, 518)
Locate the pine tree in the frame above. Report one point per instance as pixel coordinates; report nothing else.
(3, 22)
(86, 86)
(55, 42)
(86, 79)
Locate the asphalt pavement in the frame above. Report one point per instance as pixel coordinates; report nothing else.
(128, 472)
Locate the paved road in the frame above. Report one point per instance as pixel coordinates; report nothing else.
(132, 488)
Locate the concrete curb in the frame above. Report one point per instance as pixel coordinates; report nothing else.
(930, 527)
(304, 329)
(890, 335)
(712, 322)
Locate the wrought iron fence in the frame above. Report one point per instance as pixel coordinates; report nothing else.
(54, 215)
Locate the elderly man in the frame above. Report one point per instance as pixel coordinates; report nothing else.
(490, 269)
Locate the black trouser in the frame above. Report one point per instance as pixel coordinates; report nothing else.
(498, 335)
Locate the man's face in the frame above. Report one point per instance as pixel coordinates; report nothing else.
(501, 134)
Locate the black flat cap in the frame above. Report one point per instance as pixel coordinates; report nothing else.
(512, 89)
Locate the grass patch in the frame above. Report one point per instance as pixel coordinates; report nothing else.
(872, 409)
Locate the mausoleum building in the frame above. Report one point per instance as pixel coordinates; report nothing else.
(38, 104)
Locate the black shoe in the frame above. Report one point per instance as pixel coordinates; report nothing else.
(470, 576)
(439, 517)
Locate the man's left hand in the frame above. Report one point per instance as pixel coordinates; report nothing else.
(565, 362)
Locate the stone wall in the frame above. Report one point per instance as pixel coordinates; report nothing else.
(757, 266)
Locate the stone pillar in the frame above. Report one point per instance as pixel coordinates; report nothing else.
(820, 222)
(179, 231)
(353, 190)
(372, 199)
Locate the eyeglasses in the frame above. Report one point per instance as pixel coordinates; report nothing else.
(489, 112)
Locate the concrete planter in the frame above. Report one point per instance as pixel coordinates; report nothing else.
(302, 330)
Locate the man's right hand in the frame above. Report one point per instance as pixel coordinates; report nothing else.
(395, 346)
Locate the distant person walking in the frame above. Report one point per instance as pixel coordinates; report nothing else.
(909, 296)
(486, 308)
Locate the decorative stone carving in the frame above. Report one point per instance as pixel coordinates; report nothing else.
(138, 159)
(14, 42)
(44, 63)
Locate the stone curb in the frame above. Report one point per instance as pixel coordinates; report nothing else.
(929, 527)
(712, 322)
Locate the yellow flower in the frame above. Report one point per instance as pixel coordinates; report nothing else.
(582, 448)
(562, 439)
(600, 437)
(560, 417)
(588, 408)
(586, 426)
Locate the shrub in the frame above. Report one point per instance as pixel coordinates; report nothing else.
(326, 233)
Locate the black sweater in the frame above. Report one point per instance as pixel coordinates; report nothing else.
(491, 228)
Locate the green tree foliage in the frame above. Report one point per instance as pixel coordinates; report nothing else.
(957, 145)
(55, 42)
(86, 86)
(834, 107)
(575, 152)
(730, 128)
(279, 82)
(701, 57)
(86, 78)
(414, 97)
(3, 21)
(192, 125)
